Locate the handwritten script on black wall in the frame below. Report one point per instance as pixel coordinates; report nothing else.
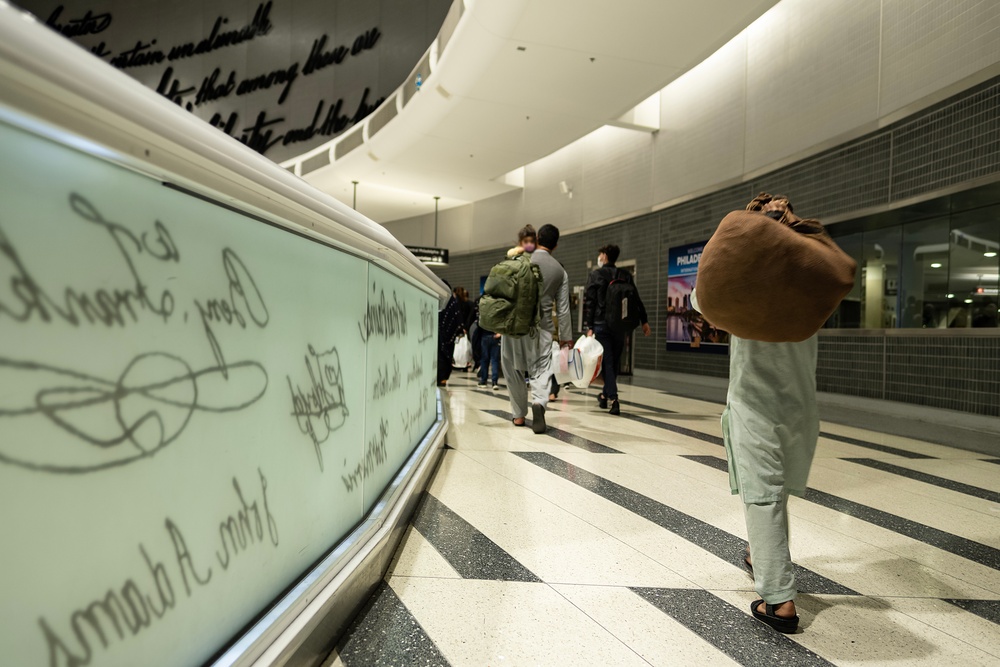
(214, 90)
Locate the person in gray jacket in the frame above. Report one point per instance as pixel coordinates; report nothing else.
(532, 354)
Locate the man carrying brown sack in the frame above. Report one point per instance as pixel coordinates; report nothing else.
(771, 423)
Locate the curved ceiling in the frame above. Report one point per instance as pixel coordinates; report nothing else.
(518, 80)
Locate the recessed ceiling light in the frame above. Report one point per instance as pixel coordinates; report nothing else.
(522, 48)
(989, 254)
(951, 296)
(968, 300)
(936, 265)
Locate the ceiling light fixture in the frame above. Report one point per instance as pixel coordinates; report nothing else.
(968, 300)
(936, 265)
(951, 296)
(989, 254)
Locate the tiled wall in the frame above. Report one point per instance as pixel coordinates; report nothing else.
(960, 374)
(953, 142)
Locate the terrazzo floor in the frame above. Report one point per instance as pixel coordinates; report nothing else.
(615, 541)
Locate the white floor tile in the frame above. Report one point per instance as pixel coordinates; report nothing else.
(893, 489)
(689, 561)
(416, 557)
(908, 499)
(654, 635)
(910, 444)
(955, 622)
(979, 473)
(554, 544)
(477, 623)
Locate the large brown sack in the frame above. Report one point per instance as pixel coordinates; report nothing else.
(773, 281)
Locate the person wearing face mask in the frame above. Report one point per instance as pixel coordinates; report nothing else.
(526, 242)
(595, 324)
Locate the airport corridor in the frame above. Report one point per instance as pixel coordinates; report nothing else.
(615, 541)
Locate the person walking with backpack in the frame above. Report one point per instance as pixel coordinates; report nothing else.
(611, 309)
(520, 297)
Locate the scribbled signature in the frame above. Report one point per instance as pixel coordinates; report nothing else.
(121, 420)
(320, 409)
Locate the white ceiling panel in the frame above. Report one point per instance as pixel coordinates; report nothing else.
(519, 80)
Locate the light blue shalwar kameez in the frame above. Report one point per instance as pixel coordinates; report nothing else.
(770, 427)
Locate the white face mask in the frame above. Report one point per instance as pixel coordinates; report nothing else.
(600, 262)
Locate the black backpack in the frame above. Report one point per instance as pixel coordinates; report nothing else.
(621, 304)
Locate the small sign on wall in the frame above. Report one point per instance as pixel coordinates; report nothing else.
(430, 256)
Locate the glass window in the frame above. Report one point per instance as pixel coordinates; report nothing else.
(880, 278)
(935, 264)
(848, 314)
(974, 268)
(924, 274)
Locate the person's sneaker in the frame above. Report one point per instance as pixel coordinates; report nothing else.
(496, 387)
(616, 408)
(602, 401)
(481, 385)
(538, 418)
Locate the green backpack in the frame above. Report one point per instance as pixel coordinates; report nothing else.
(512, 297)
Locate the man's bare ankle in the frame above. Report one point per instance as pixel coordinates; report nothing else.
(783, 609)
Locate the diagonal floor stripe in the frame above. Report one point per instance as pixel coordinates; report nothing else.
(738, 635)
(386, 633)
(691, 433)
(472, 554)
(491, 393)
(651, 408)
(895, 451)
(960, 546)
(564, 436)
(716, 440)
(988, 609)
(942, 482)
(714, 540)
(625, 404)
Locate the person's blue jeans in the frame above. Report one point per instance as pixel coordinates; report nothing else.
(490, 357)
(614, 345)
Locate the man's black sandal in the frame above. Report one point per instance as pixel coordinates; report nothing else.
(785, 625)
(538, 418)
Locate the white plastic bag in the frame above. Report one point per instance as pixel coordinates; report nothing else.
(567, 365)
(591, 353)
(463, 352)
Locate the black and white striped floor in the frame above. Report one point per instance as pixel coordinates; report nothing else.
(615, 541)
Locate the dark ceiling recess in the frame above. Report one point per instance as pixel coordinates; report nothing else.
(281, 76)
